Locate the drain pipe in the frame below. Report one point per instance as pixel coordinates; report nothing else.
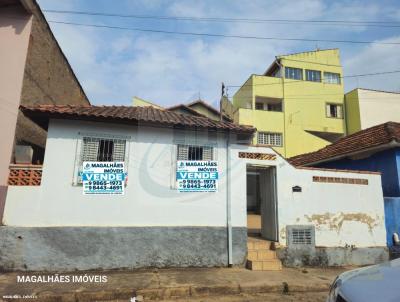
(228, 202)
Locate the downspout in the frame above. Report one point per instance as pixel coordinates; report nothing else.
(228, 203)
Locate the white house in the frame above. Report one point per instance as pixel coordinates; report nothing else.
(315, 216)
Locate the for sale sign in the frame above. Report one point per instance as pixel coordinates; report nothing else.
(103, 178)
(197, 176)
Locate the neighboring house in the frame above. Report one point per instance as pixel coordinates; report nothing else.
(366, 108)
(373, 149)
(33, 71)
(197, 108)
(297, 104)
(314, 216)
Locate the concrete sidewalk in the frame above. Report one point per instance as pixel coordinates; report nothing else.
(159, 284)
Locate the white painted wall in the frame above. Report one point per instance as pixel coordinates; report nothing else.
(342, 213)
(378, 107)
(150, 199)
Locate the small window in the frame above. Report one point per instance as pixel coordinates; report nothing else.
(269, 138)
(331, 78)
(189, 152)
(300, 235)
(99, 149)
(268, 104)
(313, 75)
(334, 110)
(293, 73)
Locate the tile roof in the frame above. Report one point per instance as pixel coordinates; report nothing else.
(355, 143)
(127, 114)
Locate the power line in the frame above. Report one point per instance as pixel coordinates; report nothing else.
(233, 20)
(296, 81)
(218, 35)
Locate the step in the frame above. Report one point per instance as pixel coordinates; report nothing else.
(264, 265)
(257, 244)
(261, 255)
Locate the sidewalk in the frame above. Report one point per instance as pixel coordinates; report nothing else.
(159, 284)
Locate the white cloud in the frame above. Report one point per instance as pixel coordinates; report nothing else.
(113, 65)
(375, 58)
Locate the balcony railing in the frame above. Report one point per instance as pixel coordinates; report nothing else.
(25, 175)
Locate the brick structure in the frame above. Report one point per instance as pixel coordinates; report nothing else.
(48, 79)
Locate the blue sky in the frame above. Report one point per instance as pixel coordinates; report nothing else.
(113, 65)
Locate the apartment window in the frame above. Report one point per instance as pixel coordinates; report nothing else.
(191, 152)
(313, 75)
(331, 78)
(334, 110)
(269, 138)
(293, 73)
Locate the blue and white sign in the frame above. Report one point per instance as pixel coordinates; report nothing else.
(197, 176)
(103, 177)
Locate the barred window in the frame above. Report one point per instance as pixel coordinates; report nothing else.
(192, 152)
(99, 149)
(269, 138)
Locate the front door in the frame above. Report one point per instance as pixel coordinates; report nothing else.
(269, 207)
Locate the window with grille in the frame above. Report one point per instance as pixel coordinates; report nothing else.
(334, 110)
(269, 138)
(192, 152)
(293, 73)
(313, 75)
(331, 78)
(100, 149)
(299, 235)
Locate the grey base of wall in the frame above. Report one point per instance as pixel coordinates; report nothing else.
(332, 256)
(85, 248)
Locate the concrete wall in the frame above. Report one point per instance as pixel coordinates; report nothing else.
(343, 214)
(378, 107)
(340, 212)
(48, 79)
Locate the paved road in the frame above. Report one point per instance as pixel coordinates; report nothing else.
(298, 297)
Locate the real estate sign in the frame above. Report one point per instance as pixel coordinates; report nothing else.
(103, 178)
(197, 176)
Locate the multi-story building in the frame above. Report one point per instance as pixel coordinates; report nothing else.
(297, 104)
(366, 108)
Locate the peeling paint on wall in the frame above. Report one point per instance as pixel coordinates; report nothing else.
(335, 221)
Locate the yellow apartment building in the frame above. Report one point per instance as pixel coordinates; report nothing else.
(297, 105)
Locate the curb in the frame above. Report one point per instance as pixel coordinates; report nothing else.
(151, 294)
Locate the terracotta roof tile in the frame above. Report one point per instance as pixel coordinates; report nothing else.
(41, 114)
(357, 142)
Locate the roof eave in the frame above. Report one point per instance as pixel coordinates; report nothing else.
(393, 143)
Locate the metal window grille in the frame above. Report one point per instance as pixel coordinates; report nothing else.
(101, 149)
(192, 152)
(302, 236)
(269, 138)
